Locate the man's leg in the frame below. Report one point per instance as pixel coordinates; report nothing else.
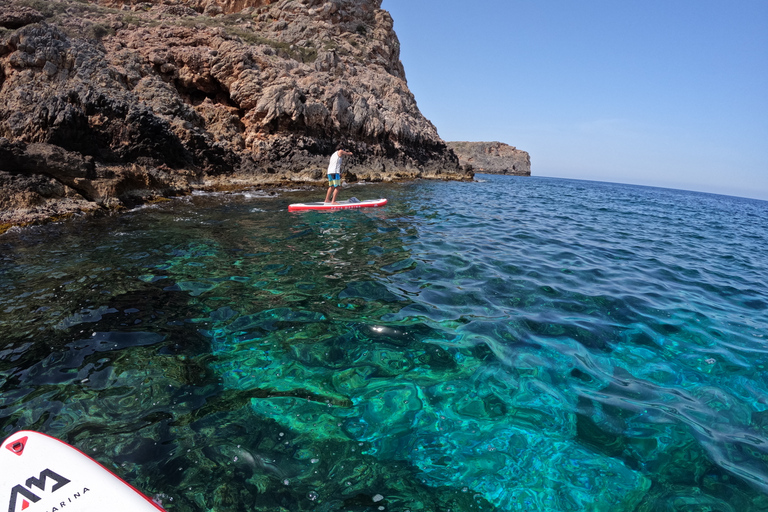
(335, 192)
(328, 195)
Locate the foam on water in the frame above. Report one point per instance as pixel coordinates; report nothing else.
(589, 347)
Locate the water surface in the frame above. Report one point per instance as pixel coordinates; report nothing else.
(589, 347)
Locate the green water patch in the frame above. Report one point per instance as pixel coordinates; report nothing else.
(392, 393)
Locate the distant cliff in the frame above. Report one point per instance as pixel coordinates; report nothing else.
(492, 157)
(112, 103)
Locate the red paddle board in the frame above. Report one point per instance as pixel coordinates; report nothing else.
(340, 205)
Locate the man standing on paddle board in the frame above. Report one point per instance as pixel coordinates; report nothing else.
(334, 175)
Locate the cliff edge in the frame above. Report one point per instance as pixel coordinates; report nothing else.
(492, 157)
(107, 104)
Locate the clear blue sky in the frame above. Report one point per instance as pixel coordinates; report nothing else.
(670, 93)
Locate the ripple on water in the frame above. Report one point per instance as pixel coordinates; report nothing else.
(592, 347)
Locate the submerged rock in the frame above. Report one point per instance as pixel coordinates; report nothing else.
(116, 103)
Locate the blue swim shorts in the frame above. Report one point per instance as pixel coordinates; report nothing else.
(334, 180)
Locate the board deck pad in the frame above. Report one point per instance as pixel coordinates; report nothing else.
(39, 473)
(340, 205)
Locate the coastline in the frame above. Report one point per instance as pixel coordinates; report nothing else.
(106, 106)
(58, 209)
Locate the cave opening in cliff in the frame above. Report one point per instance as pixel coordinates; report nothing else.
(214, 92)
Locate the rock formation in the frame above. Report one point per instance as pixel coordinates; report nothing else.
(110, 103)
(492, 157)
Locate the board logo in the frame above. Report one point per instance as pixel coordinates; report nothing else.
(26, 493)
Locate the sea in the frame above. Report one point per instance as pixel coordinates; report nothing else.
(506, 344)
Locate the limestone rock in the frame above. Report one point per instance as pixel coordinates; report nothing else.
(121, 101)
(492, 157)
(109, 103)
(16, 16)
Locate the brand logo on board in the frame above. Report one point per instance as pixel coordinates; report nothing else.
(23, 495)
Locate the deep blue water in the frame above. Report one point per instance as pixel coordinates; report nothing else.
(591, 346)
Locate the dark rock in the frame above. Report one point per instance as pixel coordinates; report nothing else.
(17, 16)
(120, 106)
(492, 157)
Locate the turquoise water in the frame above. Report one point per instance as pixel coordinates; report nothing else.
(592, 347)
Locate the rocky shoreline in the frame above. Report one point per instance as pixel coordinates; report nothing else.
(108, 104)
(493, 157)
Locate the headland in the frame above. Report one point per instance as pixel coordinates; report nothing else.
(108, 104)
(493, 157)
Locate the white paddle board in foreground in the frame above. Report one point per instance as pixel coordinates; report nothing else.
(39, 473)
(340, 205)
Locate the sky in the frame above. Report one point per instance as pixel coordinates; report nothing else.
(668, 93)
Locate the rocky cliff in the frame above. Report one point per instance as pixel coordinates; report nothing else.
(111, 103)
(492, 157)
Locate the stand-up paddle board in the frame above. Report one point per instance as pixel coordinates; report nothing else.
(39, 473)
(340, 205)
